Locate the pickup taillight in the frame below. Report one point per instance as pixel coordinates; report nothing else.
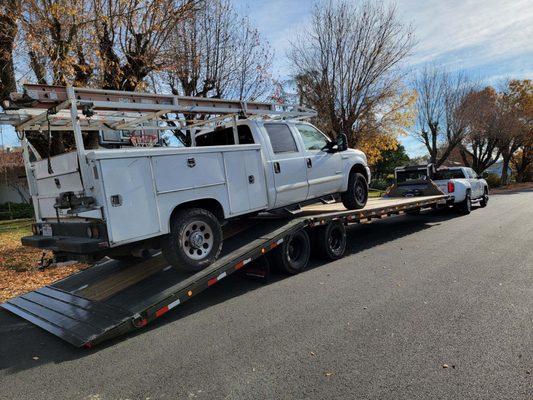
(451, 187)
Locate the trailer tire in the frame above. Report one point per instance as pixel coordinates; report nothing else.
(331, 241)
(189, 253)
(292, 256)
(356, 195)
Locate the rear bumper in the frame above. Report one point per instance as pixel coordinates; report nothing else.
(67, 244)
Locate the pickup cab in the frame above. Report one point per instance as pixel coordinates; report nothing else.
(118, 202)
(464, 185)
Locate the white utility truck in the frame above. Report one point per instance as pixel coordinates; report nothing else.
(118, 199)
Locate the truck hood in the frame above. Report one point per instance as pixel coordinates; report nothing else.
(355, 152)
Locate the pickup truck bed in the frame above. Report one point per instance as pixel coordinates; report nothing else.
(113, 298)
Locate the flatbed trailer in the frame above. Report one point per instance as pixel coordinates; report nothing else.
(112, 298)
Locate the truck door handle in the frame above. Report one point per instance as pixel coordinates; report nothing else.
(309, 163)
(277, 168)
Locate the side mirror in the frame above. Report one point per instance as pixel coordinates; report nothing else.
(342, 142)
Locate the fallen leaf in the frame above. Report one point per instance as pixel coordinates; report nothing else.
(329, 373)
(312, 353)
(444, 365)
(35, 358)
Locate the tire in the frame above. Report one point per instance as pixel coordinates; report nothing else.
(356, 196)
(484, 200)
(331, 241)
(465, 206)
(293, 255)
(193, 255)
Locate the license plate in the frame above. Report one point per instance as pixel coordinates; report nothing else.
(47, 230)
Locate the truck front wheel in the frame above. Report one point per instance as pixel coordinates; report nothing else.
(194, 241)
(356, 195)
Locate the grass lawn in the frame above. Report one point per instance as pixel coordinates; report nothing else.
(19, 265)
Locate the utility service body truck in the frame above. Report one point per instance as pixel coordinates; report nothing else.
(117, 296)
(118, 200)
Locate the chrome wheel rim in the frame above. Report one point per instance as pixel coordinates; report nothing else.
(197, 240)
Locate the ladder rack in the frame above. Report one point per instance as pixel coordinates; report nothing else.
(41, 107)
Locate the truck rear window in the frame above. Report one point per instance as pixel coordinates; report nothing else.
(446, 174)
(224, 137)
(281, 138)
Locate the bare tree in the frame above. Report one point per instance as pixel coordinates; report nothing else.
(9, 16)
(442, 122)
(346, 65)
(218, 54)
(132, 37)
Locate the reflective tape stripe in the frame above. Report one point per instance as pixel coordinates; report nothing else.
(221, 276)
(173, 304)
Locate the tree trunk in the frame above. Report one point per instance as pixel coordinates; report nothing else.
(8, 31)
(505, 167)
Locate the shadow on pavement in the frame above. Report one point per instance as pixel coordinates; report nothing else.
(24, 346)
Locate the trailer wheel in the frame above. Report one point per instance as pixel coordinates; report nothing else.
(331, 240)
(293, 255)
(194, 241)
(356, 195)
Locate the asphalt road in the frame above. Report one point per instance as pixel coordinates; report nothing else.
(412, 294)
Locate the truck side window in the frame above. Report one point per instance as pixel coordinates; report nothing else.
(312, 137)
(224, 137)
(281, 138)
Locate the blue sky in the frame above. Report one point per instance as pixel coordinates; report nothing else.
(489, 39)
(492, 40)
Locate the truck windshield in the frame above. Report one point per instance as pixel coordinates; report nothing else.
(446, 174)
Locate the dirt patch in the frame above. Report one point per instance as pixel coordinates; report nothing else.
(514, 187)
(19, 271)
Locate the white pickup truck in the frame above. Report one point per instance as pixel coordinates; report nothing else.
(464, 185)
(118, 202)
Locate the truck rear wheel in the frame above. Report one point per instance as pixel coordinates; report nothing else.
(356, 195)
(484, 200)
(465, 206)
(194, 241)
(293, 255)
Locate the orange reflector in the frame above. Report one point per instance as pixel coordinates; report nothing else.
(239, 265)
(189, 293)
(263, 251)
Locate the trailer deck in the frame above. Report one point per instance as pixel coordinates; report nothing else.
(114, 297)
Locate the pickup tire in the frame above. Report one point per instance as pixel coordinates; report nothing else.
(465, 206)
(331, 241)
(292, 256)
(194, 241)
(356, 195)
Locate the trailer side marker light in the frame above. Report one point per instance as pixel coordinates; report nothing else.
(242, 263)
(189, 293)
(263, 251)
(212, 281)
